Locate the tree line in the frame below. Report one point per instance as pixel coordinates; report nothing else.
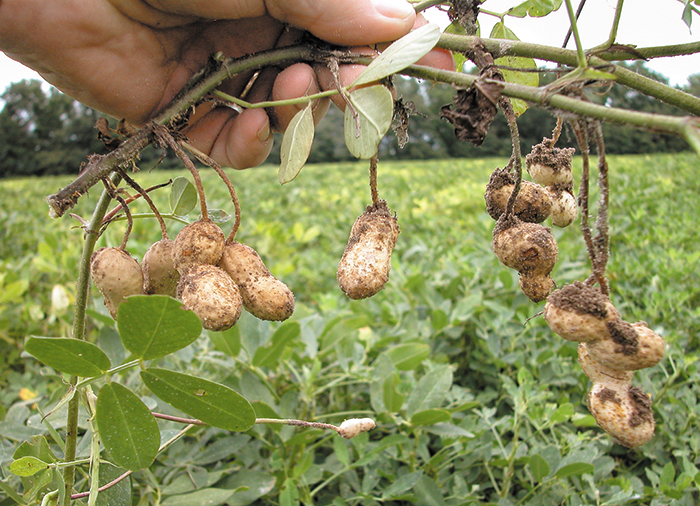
(45, 132)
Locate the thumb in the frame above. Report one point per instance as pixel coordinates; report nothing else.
(358, 22)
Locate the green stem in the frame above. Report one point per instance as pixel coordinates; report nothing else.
(114, 370)
(420, 7)
(277, 103)
(616, 23)
(502, 47)
(582, 63)
(677, 125)
(81, 301)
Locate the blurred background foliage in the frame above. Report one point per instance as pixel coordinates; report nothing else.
(476, 401)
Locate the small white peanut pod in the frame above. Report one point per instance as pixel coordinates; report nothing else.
(564, 209)
(355, 426)
(550, 166)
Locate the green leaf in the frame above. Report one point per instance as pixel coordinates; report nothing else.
(127, 428)
(408, 356)
(459, 58)
(404, 52)
(393, 399)
(71, 356)
(668, 474)
(28, 466)
(430, 391)
(38, 447)
(539, 467)
(428, 493)
(219, 216)
(116, 495)
(228, 341)
(212, 403)
(501, 31)
(375, 109)
(687, 15)
(534, 8)
(270, 354)
(296, 144)
(340, 449)
(183, 196)
(402, 485)
(430, 417)
(153, 326)
(574, 469)
(204, 497)
(563, 413)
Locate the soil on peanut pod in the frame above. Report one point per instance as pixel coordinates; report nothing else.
(580, 299)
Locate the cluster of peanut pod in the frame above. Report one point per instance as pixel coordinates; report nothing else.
(610, 349)
(216, 278)
(213, 277)
(519, 240)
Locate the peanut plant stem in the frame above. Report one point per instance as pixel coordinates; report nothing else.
(81, 301)
(676, 125)
(502, 47)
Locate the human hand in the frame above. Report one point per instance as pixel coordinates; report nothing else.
(129, 58)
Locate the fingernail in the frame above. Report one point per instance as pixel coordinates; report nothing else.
(397, 9)
(264, 133)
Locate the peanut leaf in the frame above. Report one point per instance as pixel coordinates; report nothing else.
(501, 31)
(534, 8)
(183, 196)
(27, 466)
(375, 109)
(71, 356)
(296, 144)
(404, 52)
(153, 326)
(127, 428)
(212, 403)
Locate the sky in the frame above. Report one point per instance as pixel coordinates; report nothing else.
(643, 23)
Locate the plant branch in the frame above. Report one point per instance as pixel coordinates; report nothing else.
(99, 167)
(502, 47)
(677, 125)
(580, 53)
(81, 300)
